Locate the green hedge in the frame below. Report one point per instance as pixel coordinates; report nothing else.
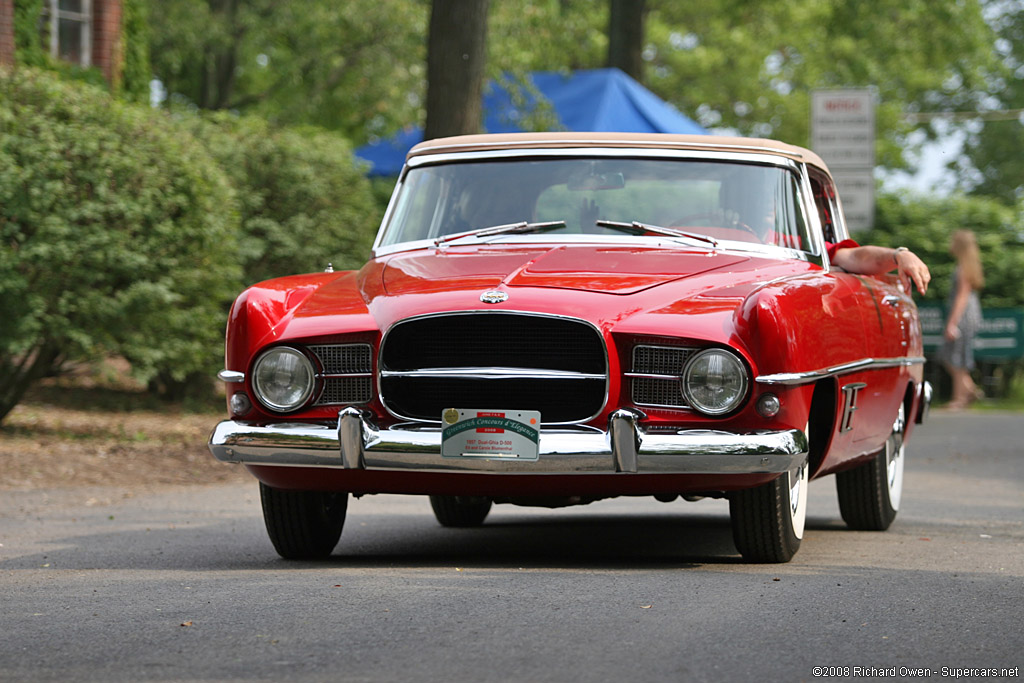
(303, 201)
(125, 230)
(925, 224)
(117, 236)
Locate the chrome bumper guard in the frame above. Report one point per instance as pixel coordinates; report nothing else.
(625, 447)
(925, 405)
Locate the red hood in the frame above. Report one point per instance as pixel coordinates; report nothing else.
(607, 270)
(662, 281)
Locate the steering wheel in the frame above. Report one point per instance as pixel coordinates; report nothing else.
(719, 222)
(691, 220)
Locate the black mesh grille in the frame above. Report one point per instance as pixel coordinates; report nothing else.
(559, 401)
(346, 390)
(345, 359)
(494, 340)
(659, 360)
(341, 359)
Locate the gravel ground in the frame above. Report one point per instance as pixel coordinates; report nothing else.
(43, 446)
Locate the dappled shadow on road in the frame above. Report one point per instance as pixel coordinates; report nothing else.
(409, 538)
(597, 541)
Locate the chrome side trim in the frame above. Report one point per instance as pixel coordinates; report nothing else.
(492, 373)
(797, 378)
(651, 375)
(231, 376)
(624, 449)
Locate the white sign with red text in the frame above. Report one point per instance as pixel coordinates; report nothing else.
(843, 127)
(843, 134)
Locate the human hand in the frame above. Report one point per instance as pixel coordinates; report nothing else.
(952, 332)
(912, 269)
(589, 213)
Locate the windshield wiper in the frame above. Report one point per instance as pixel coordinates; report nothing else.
(507, 229)
(638, 228)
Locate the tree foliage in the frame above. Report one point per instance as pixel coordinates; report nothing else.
(358, 67)
(27, 40)
(355, 67)
(546, 35)
(992, 163)
(135, 33)
(752, 66)
(117, 235)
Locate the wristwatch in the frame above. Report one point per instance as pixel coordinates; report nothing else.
(895, 254)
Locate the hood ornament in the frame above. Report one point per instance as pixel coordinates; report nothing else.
(494, 296)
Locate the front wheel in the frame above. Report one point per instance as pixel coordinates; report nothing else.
(456, 511)
(303, 525)
(768, 521)
(869, 495)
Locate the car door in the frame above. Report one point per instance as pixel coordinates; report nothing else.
(868, 399)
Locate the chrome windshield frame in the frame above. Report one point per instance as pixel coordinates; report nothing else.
(755, 156)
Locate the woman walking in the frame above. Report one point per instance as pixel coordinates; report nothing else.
(964, 318)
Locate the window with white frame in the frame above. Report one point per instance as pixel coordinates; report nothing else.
(67, 25)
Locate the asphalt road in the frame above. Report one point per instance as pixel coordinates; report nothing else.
(182, 584)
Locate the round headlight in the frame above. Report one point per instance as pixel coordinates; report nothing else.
(714, 382)
(283, 379)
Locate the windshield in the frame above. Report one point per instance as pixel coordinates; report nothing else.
(734, 201)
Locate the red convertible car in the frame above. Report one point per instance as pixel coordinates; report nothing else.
(553, 319)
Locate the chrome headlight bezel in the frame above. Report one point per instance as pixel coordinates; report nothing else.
(304, 372)
(739, 379)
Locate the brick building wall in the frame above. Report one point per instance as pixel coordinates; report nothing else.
(6, 31)
(106, 38)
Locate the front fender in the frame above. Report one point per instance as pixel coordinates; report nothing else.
(265, 313)
(802, 324)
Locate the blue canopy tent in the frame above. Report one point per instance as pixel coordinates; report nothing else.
(601, 100)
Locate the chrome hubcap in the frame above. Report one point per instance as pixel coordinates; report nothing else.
(798, 499)
(894, 451)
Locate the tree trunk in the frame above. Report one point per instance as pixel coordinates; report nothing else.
(626, 36)
(17, 375)
(456, 50)
(221, 57)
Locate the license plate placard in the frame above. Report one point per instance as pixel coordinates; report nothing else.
(503, 434)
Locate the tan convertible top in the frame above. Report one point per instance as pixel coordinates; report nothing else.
(476, 143)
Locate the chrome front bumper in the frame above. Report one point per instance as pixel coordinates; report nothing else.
(625, 447)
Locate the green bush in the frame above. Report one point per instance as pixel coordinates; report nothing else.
(303, 201)
(117, 236)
